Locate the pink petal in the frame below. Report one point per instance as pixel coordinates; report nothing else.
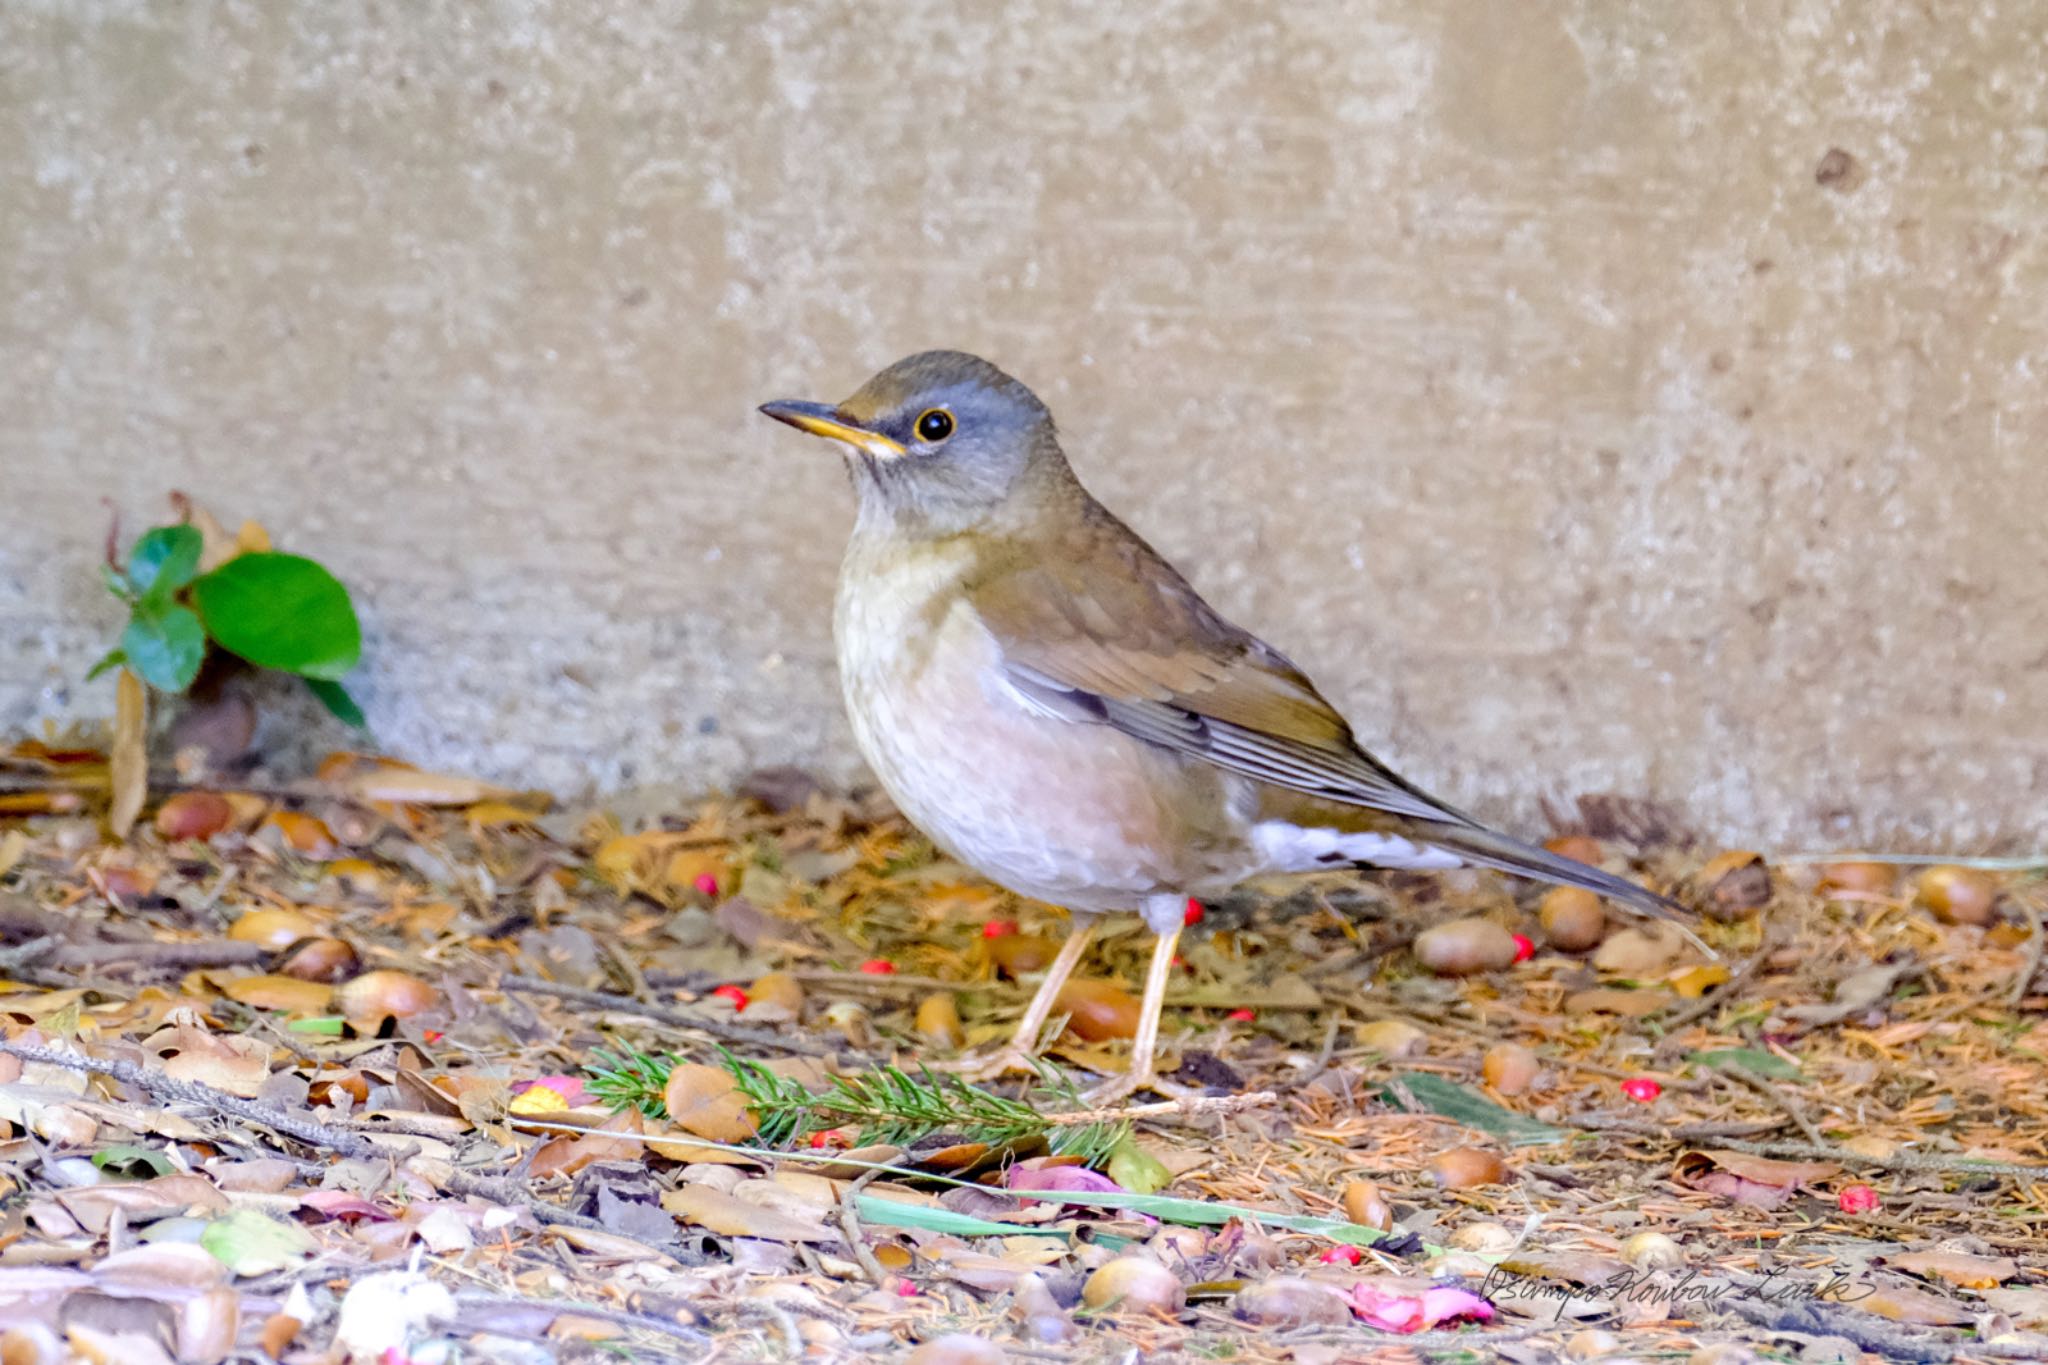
(1026, 1176)
(1397, 1312)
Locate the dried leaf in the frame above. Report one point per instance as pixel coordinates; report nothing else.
(128, 759)
(732, 1217)
(1757, 1181)
(1956, 1268)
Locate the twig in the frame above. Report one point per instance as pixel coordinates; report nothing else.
(218, 953)
(1785, 1103)
(779, 1041)
(501, 1190)
(2034, 864)
(2030, 968)
(1683, 1132)
(29, 953)
(618, 1317)
(849, 1227)
(1867, 1330)
(305, 1128)
(1898, 1161)
(1193, 1106)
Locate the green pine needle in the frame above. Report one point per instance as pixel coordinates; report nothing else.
(889, 1105)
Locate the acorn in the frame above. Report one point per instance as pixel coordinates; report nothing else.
(1573, 919)
(1291, 1301)
(1509, 1068)
(1874, 879)
(1016, 954)
(1096, 1010)
(1365, 1206)
(1461, 1168)
(1485, 1237)
(194, 815)
(1135, 1284)
(1958, 895)
(304, 834)
(1465, 947)
(1652, 1251)
(319, 959)
(375, 996)
(1733, 883)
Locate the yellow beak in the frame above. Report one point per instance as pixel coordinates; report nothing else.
(819, 419)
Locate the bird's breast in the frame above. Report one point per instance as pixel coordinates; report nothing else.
(1076, 814)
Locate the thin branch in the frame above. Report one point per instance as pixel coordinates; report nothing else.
(1193, 1106)
(304, 1127)
(849, 1227)
(1898, 1161)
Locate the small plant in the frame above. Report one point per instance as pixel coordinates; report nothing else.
(277, 611)
(887, 1105)
(190, 588)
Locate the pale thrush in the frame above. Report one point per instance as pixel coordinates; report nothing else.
(1048, 699)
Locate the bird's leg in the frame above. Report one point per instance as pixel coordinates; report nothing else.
(1145, 1044)
(1023, 1044)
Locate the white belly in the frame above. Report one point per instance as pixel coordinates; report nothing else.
(1075, 814)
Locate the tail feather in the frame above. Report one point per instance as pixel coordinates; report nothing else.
(1484, 848)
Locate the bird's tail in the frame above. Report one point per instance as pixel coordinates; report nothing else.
(1484, 848)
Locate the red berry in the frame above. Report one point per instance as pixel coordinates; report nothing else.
(1193, 914)
(878, 966)
(734, 994)
(834, 1138)
(432, 1035)
(999, 928)
(1242, 1016)
(1180, 962)
(1342, 1255)
(1858, 1199)
(706, 883)
(1641, 1089)
(1525, 947)
(905, 1290)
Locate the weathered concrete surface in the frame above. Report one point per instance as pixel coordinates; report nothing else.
(1508, 363)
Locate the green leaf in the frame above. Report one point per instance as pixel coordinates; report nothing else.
(336, 699)
(130, 1160)
(165, 645)
(333, 1025)
(283, 612)
(1137, 1170)
(113, 658)
(163, 561)
(1748, 1059)
(894, 1213)
(1463, 1105)
(249, 1242)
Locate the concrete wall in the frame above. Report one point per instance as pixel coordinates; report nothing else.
(1594, 395)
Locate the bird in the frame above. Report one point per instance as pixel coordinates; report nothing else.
(1050, 701)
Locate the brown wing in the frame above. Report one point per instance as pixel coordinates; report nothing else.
(1099, 629)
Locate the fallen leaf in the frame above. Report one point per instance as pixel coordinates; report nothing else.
(128, 758)
(1855, 993)
(1608, 1000)
(411, 787)
(1917, 1306)
(1693, 982)
(250, 1242)
(728, 1216)
(1956, 1268)
(1756, 1181)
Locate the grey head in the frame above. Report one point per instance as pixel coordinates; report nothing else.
(939, 442)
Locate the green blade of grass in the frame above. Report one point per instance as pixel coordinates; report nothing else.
(1461, 1104)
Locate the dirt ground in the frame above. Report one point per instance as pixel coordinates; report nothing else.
(320, 1071)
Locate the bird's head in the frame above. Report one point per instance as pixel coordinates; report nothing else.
(939, 442)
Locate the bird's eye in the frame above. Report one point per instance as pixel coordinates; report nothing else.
(934, 426)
